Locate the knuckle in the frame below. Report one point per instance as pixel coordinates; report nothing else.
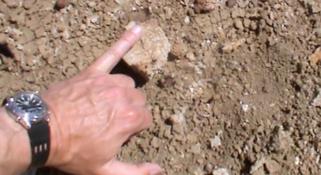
(117, 92)
(134, 119)
(125, 79)
(128, 79)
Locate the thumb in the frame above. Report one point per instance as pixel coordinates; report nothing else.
(119, 168)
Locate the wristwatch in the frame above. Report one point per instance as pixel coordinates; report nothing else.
(31, 111)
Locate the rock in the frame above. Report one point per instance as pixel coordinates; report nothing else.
(314, 6)
(257, 165)
(60, 4)
(198, 171)
(176, 119)
(245, 107)
(12, 3)
(220, 171)
(190, 56)
(91, 4)
(155, 142)
(208, 168)
(187, 20)
(296, 160)
(150, 54)
(231, 3)
(196, 149)
(238, 24)
(205, 5)
(27, 4)
(215, 142)
(317, 100)
(281, 140)
(316, 56)
(179, 48)
(272, 166)
(229, 47)
(121, 2)
(259, 171)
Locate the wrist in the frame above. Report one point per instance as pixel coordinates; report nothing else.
(15, 154)
(55, 158)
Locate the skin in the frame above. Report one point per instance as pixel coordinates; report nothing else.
(92, 115)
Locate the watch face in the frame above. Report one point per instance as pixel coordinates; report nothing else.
(27, 107)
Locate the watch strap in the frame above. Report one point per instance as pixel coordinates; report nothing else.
(39, 135)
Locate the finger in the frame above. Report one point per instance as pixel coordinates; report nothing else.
(119, 168)
(122, 80)
(114, 80)
(110, 58)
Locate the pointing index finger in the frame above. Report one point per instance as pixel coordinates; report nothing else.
(109, 59)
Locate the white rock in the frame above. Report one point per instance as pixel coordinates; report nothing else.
(177, 119)
(150, 54)
(215, 142)
(198, 171)
(245, 107)
(296, 160)
(257, 165)
(220, 171)
(187, 20)
(317, 100)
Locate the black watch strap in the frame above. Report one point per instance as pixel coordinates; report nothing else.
(39, 135)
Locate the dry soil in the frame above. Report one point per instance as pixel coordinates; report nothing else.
(235, 96)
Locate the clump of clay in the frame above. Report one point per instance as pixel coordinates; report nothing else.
(60, 4)
(315, 58)
(150, 54)
(204, 5)
(231, 46)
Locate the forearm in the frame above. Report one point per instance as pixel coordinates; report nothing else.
(14, 146)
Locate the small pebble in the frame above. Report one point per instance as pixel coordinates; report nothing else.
(60, 4)
(230, 3)
(220, 171)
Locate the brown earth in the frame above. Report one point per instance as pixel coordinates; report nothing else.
(234, 97)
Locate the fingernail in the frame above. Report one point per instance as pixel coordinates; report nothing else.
(134, 27)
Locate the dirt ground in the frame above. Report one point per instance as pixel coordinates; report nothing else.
(217, 110)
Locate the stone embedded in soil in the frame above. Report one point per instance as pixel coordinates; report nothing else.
(205, 5)
(215, 142)
(272, 166)
(316, 56)
(259, 171)
(12, 3)
(208, 168)
(231, 46)
(220, 171)
(198, 171)
(317, 100)
(257, 165)
(27, 4)
(281, 140)
(231, 3)
(176, 119)
(60, 4)
(149, 55)
(155, 142)
(314, 6)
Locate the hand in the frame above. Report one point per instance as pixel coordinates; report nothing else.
(94, 113)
